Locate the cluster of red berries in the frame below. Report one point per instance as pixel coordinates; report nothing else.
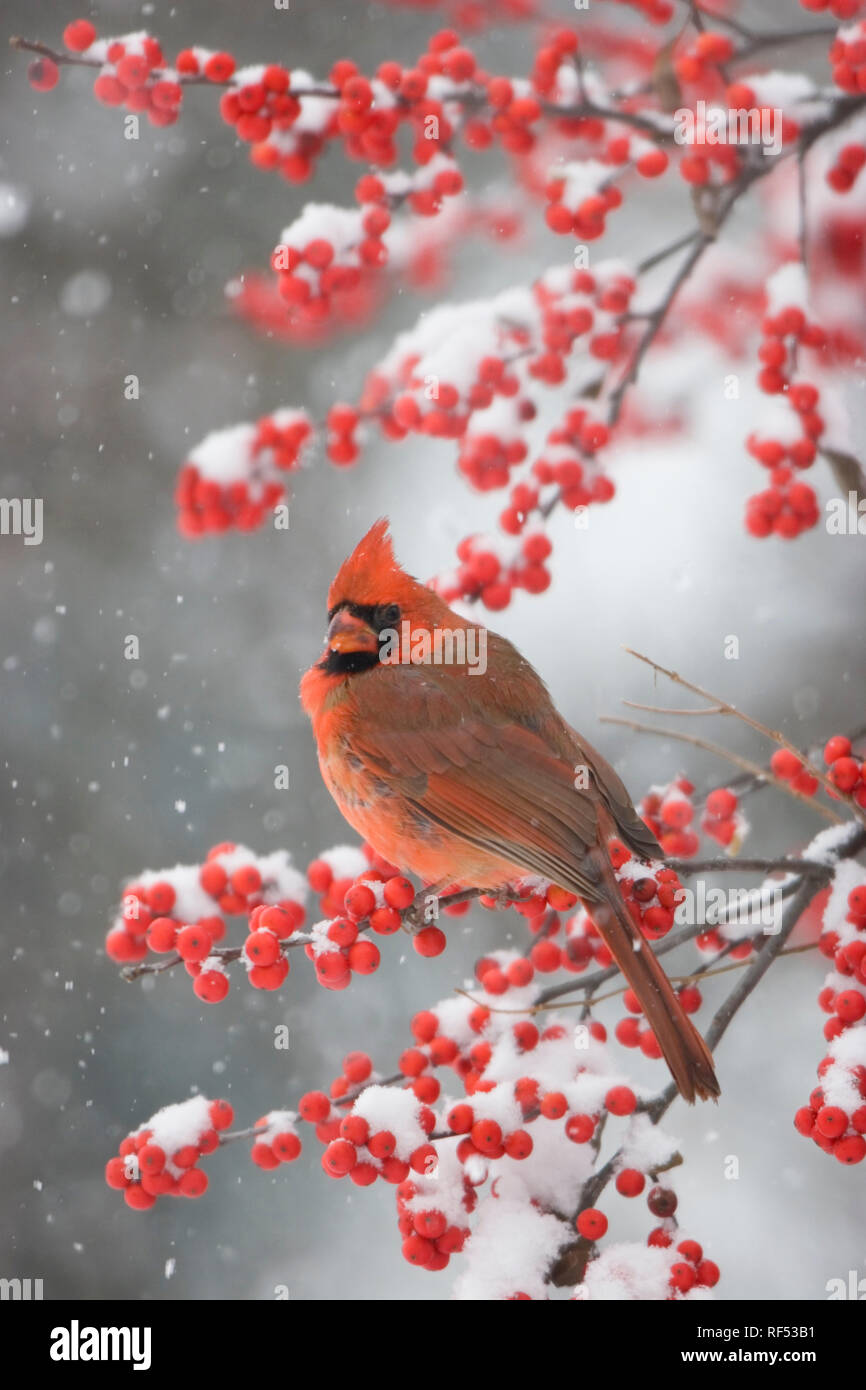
(276, 1140)
(133, 72)
(574, 303)
(651, 897)
(848, 163)
(700, 58)
(837, 1129)
(288, 118)
(788, 506)
(846, 771)
(789, 768)
(568, 463)
(691, 1270)
(161, 1158)
(429, 1239)
(328, 252)
(721, 819)
(835, 1117)
(383, 1135)
(848, 52)
(669, 813)
(841, 9)
(255, 297)
(375, 899)
(234, 477)
(263, 113)
(163, 914)
(579, 199)
(485, 573)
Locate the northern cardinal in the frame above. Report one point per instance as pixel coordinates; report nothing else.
(470, 779)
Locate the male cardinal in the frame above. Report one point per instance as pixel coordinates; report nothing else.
(470, 779)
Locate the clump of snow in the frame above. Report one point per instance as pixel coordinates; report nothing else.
(345, 861)
(175, 1126)
(839, 1082)
(511, 1248)
(385, 1107)
(628, 1272)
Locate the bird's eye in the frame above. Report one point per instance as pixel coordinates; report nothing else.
(389, 616)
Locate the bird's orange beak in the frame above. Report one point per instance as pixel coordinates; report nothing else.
(347, 633)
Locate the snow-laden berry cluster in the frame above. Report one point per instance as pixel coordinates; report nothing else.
(835, 1117)
(160, 1159)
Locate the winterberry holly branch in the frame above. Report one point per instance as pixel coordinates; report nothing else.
(562, 126)
(519, 1108)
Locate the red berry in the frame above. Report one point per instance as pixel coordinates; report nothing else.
(721, 803)
(580, 1128)
(399, 893)
(263, 1155)
(630, 1182)
(162, 934)
(136, 1197)
(211, 986)
(43, 74)
(620, 1100)
(192, 1183)
(831, 1121)
(850, 1005)
(553, 1105)
(194, 943)
(430, 941)
(382, 1144)
(836, 747)
(246, 880)
(314, 1107)
(785, 764)
(591, 1223)
(286, 1146)
(486, 1136)
(364, 957)
(262, 947)
(519, 1144)
(269, 977)
(79, 35)
(339, 1158)
(221, 1114)
(851, 1149)
(360, 901)
(683, 1276)
(115, 1174)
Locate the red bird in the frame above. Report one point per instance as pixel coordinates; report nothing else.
(469, 779)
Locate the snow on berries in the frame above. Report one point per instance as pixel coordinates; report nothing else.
(132, 72)
(182, 912)
(835, 1115)
(160, 1159)
(276, 1139)
(847, 53)
(489, 1130)
(574, 141)
(786, 441)
(234, 477)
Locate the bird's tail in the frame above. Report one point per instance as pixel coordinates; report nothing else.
(683, 1048)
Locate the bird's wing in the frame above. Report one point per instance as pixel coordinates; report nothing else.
(498, 786)
(635, 832)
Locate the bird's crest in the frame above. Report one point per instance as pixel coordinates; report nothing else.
(371, 574)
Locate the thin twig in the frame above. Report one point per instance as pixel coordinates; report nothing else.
(737, 759)
(775, 735)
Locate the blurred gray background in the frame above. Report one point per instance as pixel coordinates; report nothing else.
(115, 262)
